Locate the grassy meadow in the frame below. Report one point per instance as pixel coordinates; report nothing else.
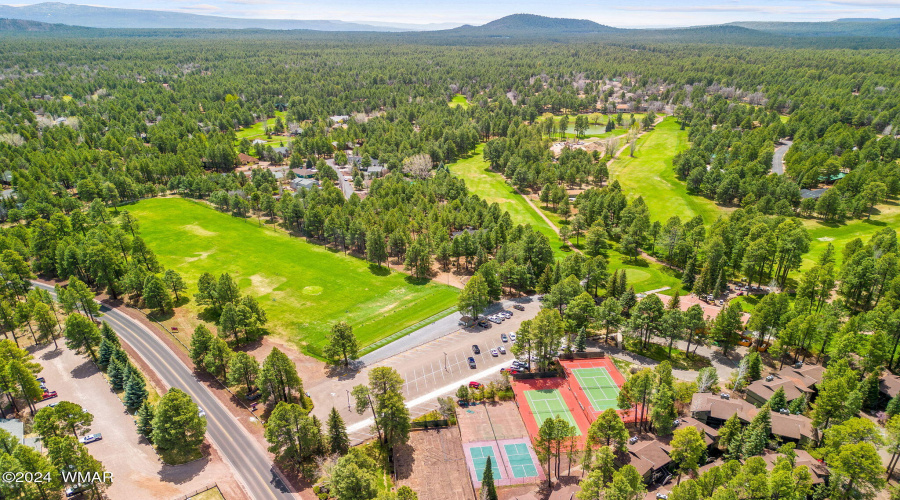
(649, 174)
(258, 131)
(459, 100)
(304, 288)
(491, 186)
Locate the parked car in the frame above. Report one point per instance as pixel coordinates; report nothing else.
(495, 319)
(501, 349)
(90, 438)
(494, 353)
(48, 395)
(253, 396)
(519, 307)
(484, 324)
(512, 337)
(475, 349)
(504, 338)
(474, 385)
(518, 364)
(471, 361)
(201, 412)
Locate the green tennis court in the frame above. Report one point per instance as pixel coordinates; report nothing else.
(548, 403)
(480, 456)
(520, 460)
(599, 387)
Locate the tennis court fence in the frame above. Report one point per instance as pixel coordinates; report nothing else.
(582, 355)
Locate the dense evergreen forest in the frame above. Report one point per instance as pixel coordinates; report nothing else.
(91, 123)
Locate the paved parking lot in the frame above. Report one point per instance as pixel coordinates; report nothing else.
(137, 472)
(436, 368)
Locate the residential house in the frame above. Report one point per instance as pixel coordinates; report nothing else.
(812, 193)
(305, 173)
(889, 388)
(375, 171)
(793, 428)
(710, 435)
(245, 159)
(817, 469)
(299, 184)
(16, 429)
(714, 409)
(650, 458)
(284, 151)
(797, 381)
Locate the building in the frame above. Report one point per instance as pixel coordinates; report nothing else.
(305, 173)
(714, 409)
(650, 458)
(245, 159)
(710, 435)
(375, 171)
(812, 193)
(299, 184)
(16, 428)
(889, 388)
(793, 428)
(284, 151)
(817, 469)
(797, 381)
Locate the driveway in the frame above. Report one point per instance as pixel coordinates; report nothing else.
(137, 472)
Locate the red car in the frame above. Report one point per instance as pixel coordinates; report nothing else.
(474, 385)
(48, 395)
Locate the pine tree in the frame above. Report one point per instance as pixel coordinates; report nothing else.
(338, 442)
(116, 372)
(488, 490)
(728, 433)
(611, 284)
(754, 366)
(754, 441)
(104, 354)
(580, 345)
(622, 284)
(135, 391)
(893, 407)
(799, 405)
(778, 401)
(546, 280)
(145, 420)
(689, 277)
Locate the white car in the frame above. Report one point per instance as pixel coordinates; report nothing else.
(90, 438)
(201, 412)
(501, 349)
(494, 353)
(512, 337)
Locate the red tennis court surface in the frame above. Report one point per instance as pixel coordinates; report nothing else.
(629, 416)
(521, 386)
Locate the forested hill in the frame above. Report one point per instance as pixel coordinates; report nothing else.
(889, 28)
(529, 23)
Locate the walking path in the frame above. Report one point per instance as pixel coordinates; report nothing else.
(778, 157)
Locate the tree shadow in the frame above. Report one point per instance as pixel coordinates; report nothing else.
(51, 354)
(183, 473)
(84, 370)
(379, 270)
(161, 316)
(209, 315)
(342, 372)
(412, 280)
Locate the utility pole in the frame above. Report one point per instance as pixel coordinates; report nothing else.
(348, 400)
(446, 366)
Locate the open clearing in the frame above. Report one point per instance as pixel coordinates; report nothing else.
(491, 186)
(304, 288)
(840, 233)
(459, 100)
(258, 131)
(650, 174)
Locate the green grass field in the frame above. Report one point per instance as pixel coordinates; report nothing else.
(459, 100)
(491, 186)
(650, 174)
(304, 288)
(597, 130)
(841, 233)
(257, 131)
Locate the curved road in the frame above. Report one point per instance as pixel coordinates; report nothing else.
(247, 459)
(778, 157)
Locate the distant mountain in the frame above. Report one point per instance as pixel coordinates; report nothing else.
(530, 23)
(22, 25)
(106, 17)
(868, 28)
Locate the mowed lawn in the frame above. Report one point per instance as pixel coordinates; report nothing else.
(650, 174)
(258, 131)
(840, 233)
(304, 288)
(491, 186)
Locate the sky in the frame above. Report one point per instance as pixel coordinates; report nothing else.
(619, 13)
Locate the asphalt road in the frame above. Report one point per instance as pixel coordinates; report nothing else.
(346, 186)
(248, 460)
(778, 157)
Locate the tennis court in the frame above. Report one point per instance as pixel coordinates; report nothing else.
(480, 456)
(520, 462)
(548, 403)
(599, 387)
